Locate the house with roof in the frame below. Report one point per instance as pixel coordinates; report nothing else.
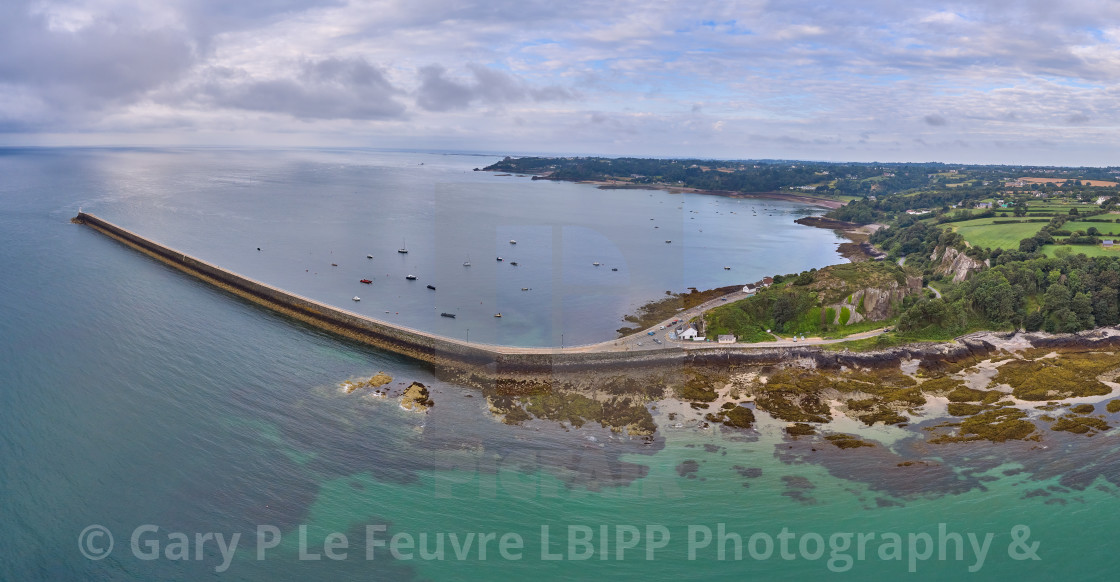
(726, 339)
(688, 333)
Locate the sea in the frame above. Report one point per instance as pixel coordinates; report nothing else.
(155, 428)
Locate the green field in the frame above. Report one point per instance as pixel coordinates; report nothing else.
(1087, 250)
(1104, 227)
(982, 233)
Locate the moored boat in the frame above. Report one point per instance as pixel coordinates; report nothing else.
(432, 287)
(410, 277)
(366, 281)
(445, 314)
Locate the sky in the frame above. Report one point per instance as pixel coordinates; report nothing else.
(984, 81)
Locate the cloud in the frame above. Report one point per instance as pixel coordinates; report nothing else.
(74, 61)
(326, 89)
(935, 120)
(648, 75)
(439, 92)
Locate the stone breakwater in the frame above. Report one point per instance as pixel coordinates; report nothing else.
(494, 361)
(489, 360)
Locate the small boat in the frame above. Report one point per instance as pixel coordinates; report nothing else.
(614, 268)
(334, 264)
(727, 268)
(403, 249)
(369, 256)
(445, 314)
(356, 298)
(499, 258)
(467, 262)
(514, 263)
(410, 277)
(668, 241)
(497, 315)
(366, 281)
(432, 287)
(524, 288)
(512, 242)
(596, 264)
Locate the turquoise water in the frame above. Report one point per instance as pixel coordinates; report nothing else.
(134, 395)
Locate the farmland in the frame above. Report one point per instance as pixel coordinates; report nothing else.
(983, 233)
(1087, 250)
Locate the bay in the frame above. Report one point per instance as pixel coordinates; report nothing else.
(131, 394)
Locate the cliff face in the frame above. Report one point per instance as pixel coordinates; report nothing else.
(875, 303)
(955, 263)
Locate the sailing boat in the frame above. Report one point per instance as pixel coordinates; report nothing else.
(467, 262)
(403, 249)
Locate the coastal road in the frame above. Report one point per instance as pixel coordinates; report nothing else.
(644, 341)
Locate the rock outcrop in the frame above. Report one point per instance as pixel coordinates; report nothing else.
(378, 379)
(875, 303)
(955, 263)
(416, 398)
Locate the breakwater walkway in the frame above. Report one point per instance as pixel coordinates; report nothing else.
(488, 359)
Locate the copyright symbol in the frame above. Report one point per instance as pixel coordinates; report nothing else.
(95, 542)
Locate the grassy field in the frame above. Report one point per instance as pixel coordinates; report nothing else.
(982, 233)
(1087, 250)
(1104, 227)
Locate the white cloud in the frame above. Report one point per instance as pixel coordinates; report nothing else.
(620, 77)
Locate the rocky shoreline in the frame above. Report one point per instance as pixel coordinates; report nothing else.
(962, 383)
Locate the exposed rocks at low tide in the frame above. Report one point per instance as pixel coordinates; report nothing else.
(416, 398)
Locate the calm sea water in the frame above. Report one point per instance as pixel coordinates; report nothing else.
(131, 395)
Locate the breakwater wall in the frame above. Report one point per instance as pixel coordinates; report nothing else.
(490, 360)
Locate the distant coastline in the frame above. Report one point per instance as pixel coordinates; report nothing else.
(812, 200)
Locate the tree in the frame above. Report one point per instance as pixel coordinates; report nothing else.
(1082, 306)
(1056, 297)
(1063, 320)
(994, 296)
(1105, 309)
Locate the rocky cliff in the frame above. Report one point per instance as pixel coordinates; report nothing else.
(952, 262)
(875, 303)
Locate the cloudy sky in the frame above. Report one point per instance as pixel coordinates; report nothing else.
(986, 81)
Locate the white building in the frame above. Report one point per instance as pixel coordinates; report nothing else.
(689, 333)
(726, 339)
